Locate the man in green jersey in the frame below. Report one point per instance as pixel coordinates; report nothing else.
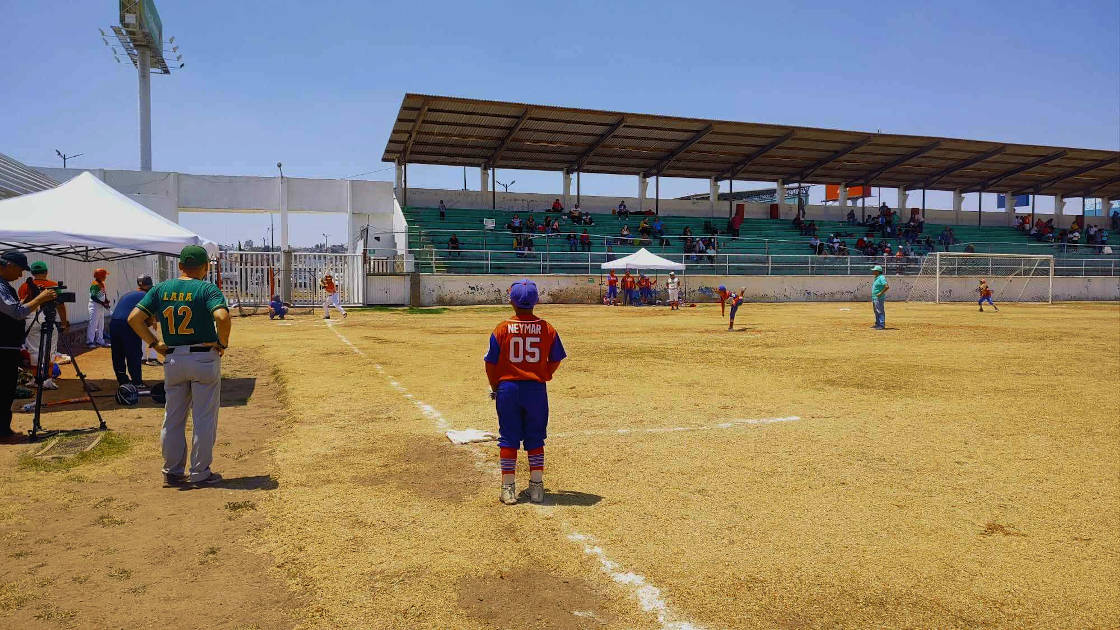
(878, 297)
(194, 320)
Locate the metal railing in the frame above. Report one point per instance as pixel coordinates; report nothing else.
(465, 261)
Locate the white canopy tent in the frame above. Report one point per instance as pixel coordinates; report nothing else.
(85, 219)
(643, 259)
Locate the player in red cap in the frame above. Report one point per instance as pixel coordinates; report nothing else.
(524, 353)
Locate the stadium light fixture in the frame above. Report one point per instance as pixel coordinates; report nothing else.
(66, 157)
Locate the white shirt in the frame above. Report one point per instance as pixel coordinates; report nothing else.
(673, 283)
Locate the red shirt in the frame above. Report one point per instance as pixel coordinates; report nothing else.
(523, 349)
(612, 280)
(644, 283)
(627, 281)
(41, 283)
(328, 285)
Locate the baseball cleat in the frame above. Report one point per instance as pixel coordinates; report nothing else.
(536, 492)
(214, 478)
(172, 480)
(509, 493)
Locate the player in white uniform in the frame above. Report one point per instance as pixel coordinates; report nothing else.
(674, 286)
(331, 297)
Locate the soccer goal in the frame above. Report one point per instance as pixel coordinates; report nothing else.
(954, 276)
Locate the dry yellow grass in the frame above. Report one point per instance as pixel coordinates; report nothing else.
(958, 471)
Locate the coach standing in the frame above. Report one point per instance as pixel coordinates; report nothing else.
(12, 332)
(194, 320)
(128, 352)
(878, 296)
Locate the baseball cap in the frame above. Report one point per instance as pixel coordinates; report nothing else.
(15, 258)
(100, 273)
(523, 293)
(722, 288)
(143, 280)
(878, 268)
(38, 267)
(194, 256)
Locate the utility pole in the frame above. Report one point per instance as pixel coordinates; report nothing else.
(66, 157)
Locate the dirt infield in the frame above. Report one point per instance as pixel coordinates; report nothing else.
(959, 469)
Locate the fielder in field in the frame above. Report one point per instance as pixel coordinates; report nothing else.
(985, 295)
(330, 297)
(194, 320)
(673, 284)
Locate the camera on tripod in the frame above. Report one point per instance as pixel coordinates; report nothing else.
(62, 296)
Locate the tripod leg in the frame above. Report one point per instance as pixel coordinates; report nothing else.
(42, 367)
(82, 377)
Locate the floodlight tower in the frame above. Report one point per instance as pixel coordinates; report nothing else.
(140, 34)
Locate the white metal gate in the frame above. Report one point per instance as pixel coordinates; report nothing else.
(252, 278)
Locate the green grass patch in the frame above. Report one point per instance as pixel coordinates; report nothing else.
(111, 445)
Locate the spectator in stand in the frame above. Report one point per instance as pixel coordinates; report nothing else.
(528, 240)
(644, 228)
(555, 227)
(557, 206)
(1075, 226)
(799, 224)
(514, 224)
(585, 241)
(442, 210)
(658, 228)
(861, 244)
(851, 218)
(812, 228)
(453, 246)
(519, 246)
(624, 234)
(587, 220)
(574, 214)
(712, 250)
(573, 242)
(815, 245)
(1114, 221)
(530, 224)
(623, 213)
(1075, 235)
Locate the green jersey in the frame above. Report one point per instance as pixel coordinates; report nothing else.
(97, 294)
(878, 287)
(184, 309)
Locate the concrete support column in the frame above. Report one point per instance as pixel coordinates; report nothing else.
(713, 194)
(567, 190)
(780, 195)
(483, 187)
(958, 200)
(399, 181)
(1105, 207)
(351, 246)
(903, 213)
(843, 194)
(285, 280)
(1059, 209)
(143, 69)
(1009, 206)
(643, 187)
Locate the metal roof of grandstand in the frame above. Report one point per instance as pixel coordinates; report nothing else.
(453, 131)
(18, 179)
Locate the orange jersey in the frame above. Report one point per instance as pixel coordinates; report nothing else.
(644, 283)
(329, 286)
(984, 291)
(523, 349)
(612, 280)
(723, 295)
(627, 281)
(42, 284)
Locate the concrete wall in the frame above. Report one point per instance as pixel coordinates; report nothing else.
(438, 290)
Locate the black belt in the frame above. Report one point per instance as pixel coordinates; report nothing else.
(192, 349)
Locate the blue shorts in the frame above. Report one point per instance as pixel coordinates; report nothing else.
(734, 307)
(522, 414)
(646, 293)
(612, 292)
(986, 299)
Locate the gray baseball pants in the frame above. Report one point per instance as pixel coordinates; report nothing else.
(193, 381)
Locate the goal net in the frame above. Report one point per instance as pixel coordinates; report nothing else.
(954, 276)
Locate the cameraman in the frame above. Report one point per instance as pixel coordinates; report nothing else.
(12, 331)
(28, 290)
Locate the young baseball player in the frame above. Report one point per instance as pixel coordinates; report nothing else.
(524, 354)
(985, 295)
(612, 289)
(331, 297)
(736, 300)
(195, 325)
(673, 284)
(723, 295)
(98, 309)
(277, 308)
(645, 289)
(628, 291)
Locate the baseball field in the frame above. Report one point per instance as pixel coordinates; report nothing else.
(957, 470)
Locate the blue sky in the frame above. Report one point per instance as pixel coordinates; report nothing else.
(317, 85)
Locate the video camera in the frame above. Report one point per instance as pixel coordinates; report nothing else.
(62, 295)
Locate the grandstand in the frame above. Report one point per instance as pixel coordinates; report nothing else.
(763, 246)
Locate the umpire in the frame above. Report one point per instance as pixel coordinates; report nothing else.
(127, 350)
(194, 320)
(12, 331)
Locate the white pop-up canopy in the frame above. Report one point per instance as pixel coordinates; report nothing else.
(86, 219)
(643, 259)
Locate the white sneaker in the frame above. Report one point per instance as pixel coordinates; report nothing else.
(536, 492)
(50, 384)
(509, 493)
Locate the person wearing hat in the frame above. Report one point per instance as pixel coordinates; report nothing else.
(98, 309)
(330, 297)
(673, 284)
(524, 353)
(879, 289)
(194, 322)
(13, 316)
(34, 331)
(127, 349)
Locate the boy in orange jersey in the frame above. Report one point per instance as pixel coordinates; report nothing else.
(736, 300)
(985, 295)
(628, 285)
(330, 297)
(723, 295)
(612, 289)
(524, 354)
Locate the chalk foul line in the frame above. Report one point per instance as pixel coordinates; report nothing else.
(648, 596)
(709, 427)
